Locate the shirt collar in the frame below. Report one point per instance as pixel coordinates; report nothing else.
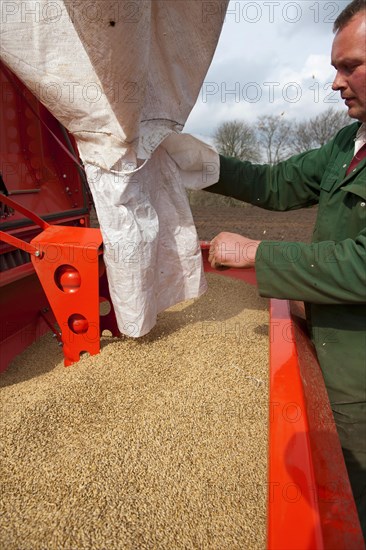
(360, 138)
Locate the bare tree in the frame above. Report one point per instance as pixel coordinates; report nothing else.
(318, 130)
(274, 134)
(237, 139)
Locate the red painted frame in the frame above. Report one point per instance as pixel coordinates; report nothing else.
(310, 501)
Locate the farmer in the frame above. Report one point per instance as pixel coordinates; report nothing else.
(329, 275)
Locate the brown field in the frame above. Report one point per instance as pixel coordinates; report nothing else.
(254, 222)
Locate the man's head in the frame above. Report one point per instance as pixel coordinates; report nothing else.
(349, 58)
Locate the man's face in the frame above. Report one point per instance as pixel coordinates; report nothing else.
(349, 60)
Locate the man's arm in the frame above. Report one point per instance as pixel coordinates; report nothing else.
(291, 184)
(321, 273)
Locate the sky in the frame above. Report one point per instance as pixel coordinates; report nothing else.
(273, 57)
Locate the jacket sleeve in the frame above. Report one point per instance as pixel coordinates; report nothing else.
(322, 273)
(291, 184)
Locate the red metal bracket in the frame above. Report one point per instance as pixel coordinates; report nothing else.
(69, 266)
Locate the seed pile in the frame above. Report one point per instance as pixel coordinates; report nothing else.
(159, 442)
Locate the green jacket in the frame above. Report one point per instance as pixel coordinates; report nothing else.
(329, 274)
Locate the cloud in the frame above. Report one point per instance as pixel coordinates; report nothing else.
(273, 57)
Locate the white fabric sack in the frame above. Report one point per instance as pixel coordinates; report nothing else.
(122, 76)
(150, 242)
(199, 162)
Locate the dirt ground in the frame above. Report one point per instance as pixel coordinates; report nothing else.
(251, 221)
(255, 223)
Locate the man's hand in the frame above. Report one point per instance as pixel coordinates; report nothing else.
(232, 250)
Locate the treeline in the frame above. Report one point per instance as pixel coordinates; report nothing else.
(272, 138)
